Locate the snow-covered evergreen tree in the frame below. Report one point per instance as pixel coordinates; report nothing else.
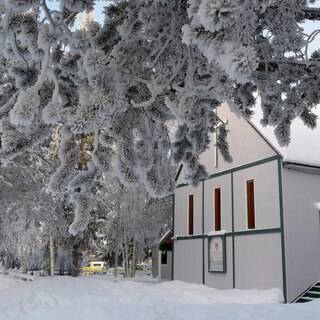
(263, 48)
(114, 90)
(28, 214)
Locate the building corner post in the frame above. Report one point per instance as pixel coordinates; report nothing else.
(203, 237)
(173, 211)
(284, 266)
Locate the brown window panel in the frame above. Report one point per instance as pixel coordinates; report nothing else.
(217, 209)
(250, 205)
(190, 214)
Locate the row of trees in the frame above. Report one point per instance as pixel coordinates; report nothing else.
(125, 222)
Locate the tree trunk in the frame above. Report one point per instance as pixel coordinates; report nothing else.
(116, 260)
(75, 258)
(125, 260)
(51, 257)
(23, 258)
(5, 261)
(8, 261)
(134, 259)
(155, 261)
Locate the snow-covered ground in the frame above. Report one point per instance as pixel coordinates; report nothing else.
(98, 298)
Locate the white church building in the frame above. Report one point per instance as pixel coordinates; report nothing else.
(254, 223)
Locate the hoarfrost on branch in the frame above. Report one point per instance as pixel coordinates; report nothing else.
(139, 92)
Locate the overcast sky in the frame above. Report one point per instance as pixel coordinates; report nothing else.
(305, 143)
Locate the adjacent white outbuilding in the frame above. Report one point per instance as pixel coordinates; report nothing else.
(254, 223)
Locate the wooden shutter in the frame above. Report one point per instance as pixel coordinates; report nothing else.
(250, 204)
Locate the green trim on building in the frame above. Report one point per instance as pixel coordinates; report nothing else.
(253, 232)
(283, 249)
(233, 234)
(300, 164)
(245, 166)
(173, 211)
(233, 242)
(193, 237)
(203, 259)
(235, 169)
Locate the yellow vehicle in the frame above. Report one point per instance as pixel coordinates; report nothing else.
(94, 267)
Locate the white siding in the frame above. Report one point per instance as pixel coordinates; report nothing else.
(258, 257)
(302, 230)
(181, 210)
(188, 260)
(245, 144)
(266, 196)
(224, 183)
(166, 269)
(258, 261)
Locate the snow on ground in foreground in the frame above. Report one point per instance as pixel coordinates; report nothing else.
(98, 298)
(6, 283)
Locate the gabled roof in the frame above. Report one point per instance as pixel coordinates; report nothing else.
(274, 147)
(304, 147)
(165, 242)
(302, 167)
(303, 150)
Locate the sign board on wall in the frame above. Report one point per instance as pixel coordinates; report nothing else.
(217, 253)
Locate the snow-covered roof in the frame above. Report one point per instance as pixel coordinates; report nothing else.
(303, 167)
(304, 147)
(168, 234)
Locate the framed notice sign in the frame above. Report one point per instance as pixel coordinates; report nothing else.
(217, 253)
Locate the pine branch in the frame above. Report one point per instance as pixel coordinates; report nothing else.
(304, 13)
(71, 17)
(44, 159)
(273, 65)
(310, 13)
(16, 49)
(46, 10)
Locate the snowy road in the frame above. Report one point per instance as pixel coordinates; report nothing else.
(100, 299)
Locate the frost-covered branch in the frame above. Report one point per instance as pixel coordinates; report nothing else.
(16, 49)
(137, 95)
(309, 13)
(47, 12)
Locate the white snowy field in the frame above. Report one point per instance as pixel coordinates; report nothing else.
(98, 298)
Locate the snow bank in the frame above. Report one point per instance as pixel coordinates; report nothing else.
(99, 298)
(6, 282)
(207, 295)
